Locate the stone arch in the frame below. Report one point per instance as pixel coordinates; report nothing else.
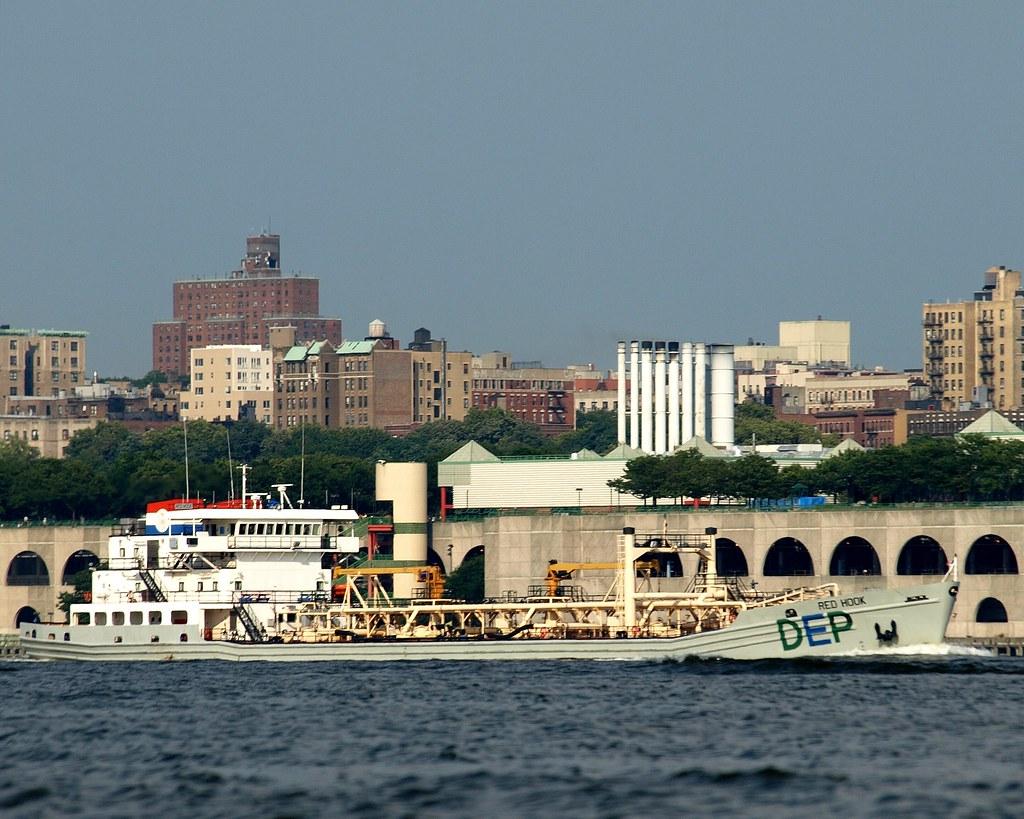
(27, 569)
(730, 559)
(991, 610)
(26, 614)
(434, 559)
(669, 564)
(788, 556)
(476, 551)
(854, 556)
(922, 555)
(78, 562)
(990, 554)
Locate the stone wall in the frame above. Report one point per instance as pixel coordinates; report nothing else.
(518, 548)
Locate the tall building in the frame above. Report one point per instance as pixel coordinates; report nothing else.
(229, 382)
(40, 362)
(369, 383)
(241, 308)
(974, 350)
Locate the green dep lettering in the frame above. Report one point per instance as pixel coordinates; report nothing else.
(792, 634)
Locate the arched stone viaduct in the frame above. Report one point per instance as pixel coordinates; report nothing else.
(857, 548)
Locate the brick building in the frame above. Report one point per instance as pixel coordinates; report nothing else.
(541, 395)
(241, 308)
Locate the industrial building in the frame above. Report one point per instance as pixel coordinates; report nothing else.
(676, 392)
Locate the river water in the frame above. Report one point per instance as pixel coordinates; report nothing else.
(863, 736)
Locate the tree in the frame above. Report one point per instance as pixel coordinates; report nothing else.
(753, 477)
(467, 581)
(596, 430)
(644, 477)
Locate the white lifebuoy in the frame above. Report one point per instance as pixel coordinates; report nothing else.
(161, 521)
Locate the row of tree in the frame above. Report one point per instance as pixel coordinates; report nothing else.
(968, 468)
(111, 471)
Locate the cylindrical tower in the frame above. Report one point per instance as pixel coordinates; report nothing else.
(659, 398)
(405, 485)
(621, 387)
(646, 397)
(723, 394)
(673, 396)
(634, 394)
(700, 396)
(686, 388)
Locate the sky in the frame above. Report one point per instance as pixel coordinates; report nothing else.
(539, 178)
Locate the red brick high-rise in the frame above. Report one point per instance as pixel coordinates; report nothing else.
(241, 308)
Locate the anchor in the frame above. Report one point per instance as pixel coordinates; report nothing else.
(888, 637)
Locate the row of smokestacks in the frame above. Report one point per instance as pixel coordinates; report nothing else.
(676, 392)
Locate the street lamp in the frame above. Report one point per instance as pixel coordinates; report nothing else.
(579, 496)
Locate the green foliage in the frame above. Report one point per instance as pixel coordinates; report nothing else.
(467, 581)
(82, 584)
(596, 430)
(758, 421)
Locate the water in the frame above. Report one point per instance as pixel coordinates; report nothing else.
(861, 736)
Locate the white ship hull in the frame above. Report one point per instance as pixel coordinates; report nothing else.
(873, 620)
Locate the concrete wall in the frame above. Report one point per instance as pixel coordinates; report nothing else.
(54, 544)
(518, 548)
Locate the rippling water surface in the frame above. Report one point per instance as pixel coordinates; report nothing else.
(863, 736)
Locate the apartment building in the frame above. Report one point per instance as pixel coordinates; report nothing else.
(40, 362)
(974, 350)
(240, 308)
(229, 382)
(531, 392)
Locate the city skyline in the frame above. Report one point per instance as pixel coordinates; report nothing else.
(544, 180)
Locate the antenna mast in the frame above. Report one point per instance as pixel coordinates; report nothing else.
(184, 427)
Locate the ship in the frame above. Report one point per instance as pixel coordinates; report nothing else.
(261, 579)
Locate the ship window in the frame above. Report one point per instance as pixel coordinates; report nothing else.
(280, 529)
(101, 618)
(199, 585)
(316, 528)
(183, 638)
(289, 529)
(179, 617)
(154, 639)
(117, 639)
(117, 618)
(82, 618)
(135, 617)
(215, 584)
(67, 637)
(155, 618)
(238, 585)
(259, 528)
(307, 528)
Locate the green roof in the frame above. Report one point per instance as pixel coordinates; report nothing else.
(297, 353)
(356, 347)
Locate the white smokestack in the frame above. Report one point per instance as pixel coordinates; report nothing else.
(621, 414)
(700, 376)
(723, 394)
(686, 411)
(659, 398)
(634, 394)
(673, 396)
(646, 399)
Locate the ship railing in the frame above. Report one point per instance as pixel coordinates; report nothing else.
(280, 596)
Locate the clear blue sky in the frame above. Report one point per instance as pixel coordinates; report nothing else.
(542, 178)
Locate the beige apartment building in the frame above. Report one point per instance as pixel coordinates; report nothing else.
(229, 382)
(40, 362)
(817, 341)
(974, 350)
(369, 383)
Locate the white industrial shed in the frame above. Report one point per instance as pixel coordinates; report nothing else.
(476, 478)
